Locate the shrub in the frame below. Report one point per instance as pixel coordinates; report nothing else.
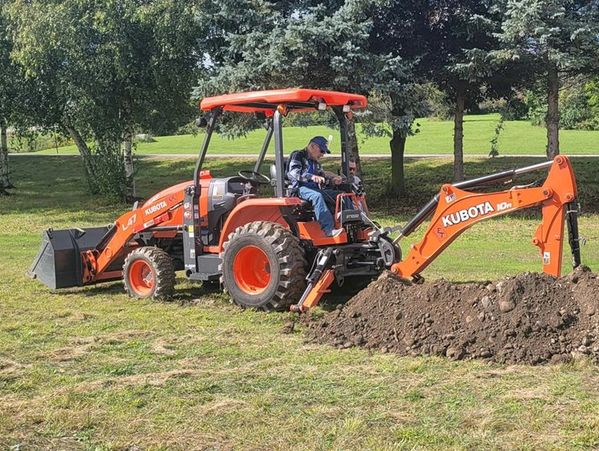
(574, 112)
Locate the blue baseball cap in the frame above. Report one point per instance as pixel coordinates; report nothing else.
(321, 142)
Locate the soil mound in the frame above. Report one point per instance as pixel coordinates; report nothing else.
(531, 318)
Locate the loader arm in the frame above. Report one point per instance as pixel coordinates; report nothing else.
(97, 261)
(456, 210)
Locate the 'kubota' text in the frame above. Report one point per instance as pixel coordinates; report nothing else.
(155, 208)
(469, 213)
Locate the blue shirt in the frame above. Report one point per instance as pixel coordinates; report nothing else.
(301, 168)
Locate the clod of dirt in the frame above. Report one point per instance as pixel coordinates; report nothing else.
(288, 327)
(531, 318)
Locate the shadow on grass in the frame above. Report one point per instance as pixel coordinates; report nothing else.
(188, 296)
(56, 186)
(101, 289)
(185, 295)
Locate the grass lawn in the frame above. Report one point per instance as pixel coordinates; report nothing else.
(90, 368)
(435, 137)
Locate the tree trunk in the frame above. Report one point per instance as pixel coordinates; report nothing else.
(398, 148)
(86, 157)
(4, 171)
(130, 192)
(458, 135)
(552, 118)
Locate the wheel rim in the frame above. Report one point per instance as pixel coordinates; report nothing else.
(251, 270)
(141, 278)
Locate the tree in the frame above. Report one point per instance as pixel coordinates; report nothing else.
(458, 38)
(557, 36)
(12, 93)
(449, 43)
(396, 90)
(262, 45)
(106, 68)
(327, 45)
(7, 95)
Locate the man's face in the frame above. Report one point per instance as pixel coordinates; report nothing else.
(352, 168)
(314, 151)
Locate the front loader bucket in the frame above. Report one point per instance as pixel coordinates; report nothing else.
(58, 263)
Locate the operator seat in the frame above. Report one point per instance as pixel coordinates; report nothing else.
(307, 212)
(223, 195)
(273, 178)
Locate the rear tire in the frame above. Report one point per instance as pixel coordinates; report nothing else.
(148, 272)
(263, 266)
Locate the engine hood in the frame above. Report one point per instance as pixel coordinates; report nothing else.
(165, 192)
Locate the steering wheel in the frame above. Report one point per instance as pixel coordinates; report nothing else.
(254, 176)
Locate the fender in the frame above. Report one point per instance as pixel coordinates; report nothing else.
(250, 210)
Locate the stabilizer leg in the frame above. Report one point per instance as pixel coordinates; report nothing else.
(319, 280)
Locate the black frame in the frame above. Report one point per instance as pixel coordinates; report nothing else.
(275, 127)
(214, 114)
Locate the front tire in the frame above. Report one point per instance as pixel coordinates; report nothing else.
(264, 266)
(148, 272)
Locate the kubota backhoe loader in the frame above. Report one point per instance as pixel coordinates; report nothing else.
(270, 253)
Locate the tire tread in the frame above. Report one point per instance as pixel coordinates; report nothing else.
(164, 271)
(291, 259)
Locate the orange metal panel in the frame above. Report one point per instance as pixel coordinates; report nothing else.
(159, 211)
(110, 275)
(232, 102)
(313, 232)
(257, 209)
(204, 195)
(320, 289)
(164, 233)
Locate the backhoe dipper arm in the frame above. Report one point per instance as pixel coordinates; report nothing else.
(456, 210)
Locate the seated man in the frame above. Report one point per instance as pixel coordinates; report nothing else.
(308, 180)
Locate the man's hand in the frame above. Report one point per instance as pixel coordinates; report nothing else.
(318, 179)
(337, 180)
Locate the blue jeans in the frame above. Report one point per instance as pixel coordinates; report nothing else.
(321, 211)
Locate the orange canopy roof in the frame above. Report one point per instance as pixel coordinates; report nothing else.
(296, 99)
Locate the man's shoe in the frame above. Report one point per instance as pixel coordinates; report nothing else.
(336, 232)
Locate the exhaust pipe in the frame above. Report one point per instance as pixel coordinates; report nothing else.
(58, 263)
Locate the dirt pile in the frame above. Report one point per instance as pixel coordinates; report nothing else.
(531, 318)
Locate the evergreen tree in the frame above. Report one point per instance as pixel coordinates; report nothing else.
(458, 38)
(325, 45)
(559, 37)
(264, 45)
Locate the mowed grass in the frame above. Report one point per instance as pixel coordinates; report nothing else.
(90, 368)
(434, 137)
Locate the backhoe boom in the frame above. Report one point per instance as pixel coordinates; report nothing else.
(456, 210)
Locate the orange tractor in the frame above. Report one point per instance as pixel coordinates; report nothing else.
(270, 253)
